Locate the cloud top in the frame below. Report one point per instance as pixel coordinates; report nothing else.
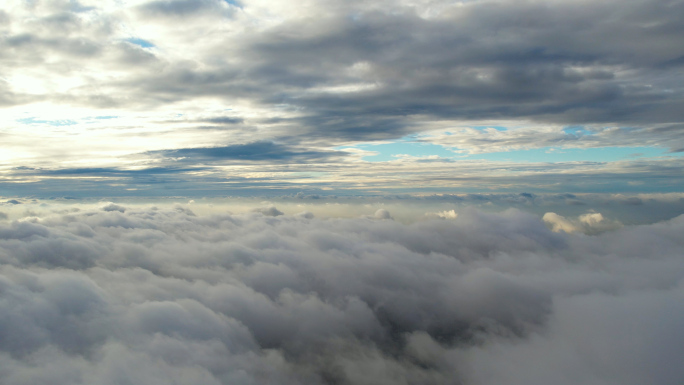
(148, 295)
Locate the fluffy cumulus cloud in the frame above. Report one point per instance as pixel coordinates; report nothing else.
(125, 294)
(589, 223)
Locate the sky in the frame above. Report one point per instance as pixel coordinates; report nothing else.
(230, 98)
(388, 192)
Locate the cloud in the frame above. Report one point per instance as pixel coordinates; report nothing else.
(352, 70)
(256, 151)
(588, 223)
(559, 223)
(181, 8)
(209, 171)
(113, 171)
(113, 207)
(382, 214)
(305, 214)
(634, 201)
(446, 214)
(219, 83)
(269, 211)
(150, 295)
(224, 120)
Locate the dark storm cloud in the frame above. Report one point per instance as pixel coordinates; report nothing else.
(157, 295)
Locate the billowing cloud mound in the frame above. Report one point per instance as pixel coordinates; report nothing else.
(270, 211)
(159, 296)
(589, 223)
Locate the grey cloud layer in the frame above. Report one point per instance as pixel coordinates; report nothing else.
(197, 97)
(164, 296)
(192, 172)
(617, 62)
(563, 62)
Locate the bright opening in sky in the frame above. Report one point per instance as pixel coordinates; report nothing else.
(341, 192)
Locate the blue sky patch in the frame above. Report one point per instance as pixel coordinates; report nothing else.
(61, 122)
(234, 3)
(577, 131)
(557, 154)
(409, 146)
(140, 42)
(391, 151)
(498, 128)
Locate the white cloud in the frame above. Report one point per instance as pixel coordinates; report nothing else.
(382, 214)
(559, 223)
(588, 223)
(166, 296)
(446, 214)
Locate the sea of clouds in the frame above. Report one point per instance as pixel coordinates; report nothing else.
(121, 294)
